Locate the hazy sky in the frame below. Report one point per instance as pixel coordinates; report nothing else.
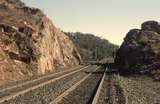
(110, 19)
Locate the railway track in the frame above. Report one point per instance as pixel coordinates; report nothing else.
(119, 92)
(86, 91)
(16, 90)
(87, 85)
(15, 84)
(97, 94)
(4, 89)
(111, 91)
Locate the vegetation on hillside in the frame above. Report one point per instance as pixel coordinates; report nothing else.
(92, 47)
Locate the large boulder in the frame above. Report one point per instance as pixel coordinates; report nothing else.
(30, 44)
(140, 51)
(151, 26)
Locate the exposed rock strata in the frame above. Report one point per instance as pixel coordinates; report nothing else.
(30, 44)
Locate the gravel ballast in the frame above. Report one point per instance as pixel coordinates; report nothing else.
(84, 93)
(141, 90)
(47, 93)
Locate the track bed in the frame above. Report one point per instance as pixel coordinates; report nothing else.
(84, 93)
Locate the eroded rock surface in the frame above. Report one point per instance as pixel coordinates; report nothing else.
(30, 44)
(140, 51)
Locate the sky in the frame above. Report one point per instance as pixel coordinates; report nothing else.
(109, 19)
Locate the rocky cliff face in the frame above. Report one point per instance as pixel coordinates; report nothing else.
(30, 44)
(140, 51)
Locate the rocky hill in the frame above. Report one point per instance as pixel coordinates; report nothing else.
(140, 51)
(30, 44)
(92, 47)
